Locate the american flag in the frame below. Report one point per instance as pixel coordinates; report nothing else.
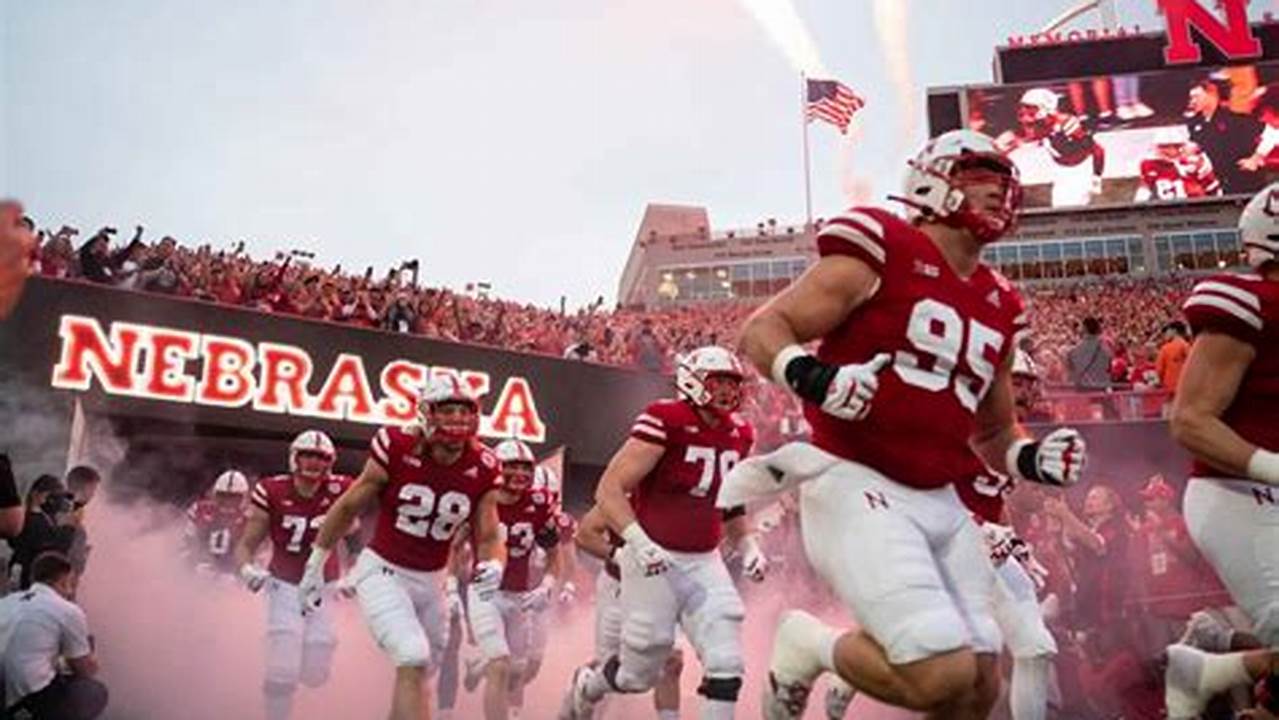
(832, 101)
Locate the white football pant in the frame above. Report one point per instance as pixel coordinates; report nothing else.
(404, 609)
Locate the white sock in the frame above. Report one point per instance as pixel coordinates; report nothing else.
(668, 715)
(717, 709)
(1222, 672)
(279, 706)
(1028, 692)
(820, 638)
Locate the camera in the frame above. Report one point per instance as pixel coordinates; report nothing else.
(58, 503)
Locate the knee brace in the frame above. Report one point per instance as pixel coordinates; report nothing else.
(724, 689)
(621, 682)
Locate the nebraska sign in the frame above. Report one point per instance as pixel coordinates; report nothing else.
(1233, 36)
(155, 363)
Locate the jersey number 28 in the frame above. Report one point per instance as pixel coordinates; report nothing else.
(421, 514)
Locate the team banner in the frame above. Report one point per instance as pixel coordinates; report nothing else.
(127, 354)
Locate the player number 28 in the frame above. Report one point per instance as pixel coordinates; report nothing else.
(710, 460)
(421, 515)
(937, 329)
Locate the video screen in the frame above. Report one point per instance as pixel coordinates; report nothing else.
(1166, 136)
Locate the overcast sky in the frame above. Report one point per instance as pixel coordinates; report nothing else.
(499, 140)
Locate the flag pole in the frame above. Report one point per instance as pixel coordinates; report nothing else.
(803, 119)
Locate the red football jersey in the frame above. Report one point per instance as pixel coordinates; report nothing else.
(295, 521)
(675, 504)
(1244, 306)
(983, 491)
(947, 335)
(527, 524)
(1190, 176)
(212, 533)
(425, 503)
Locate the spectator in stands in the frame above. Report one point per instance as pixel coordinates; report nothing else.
(400, 315)
(1098, 546)
(1172, 355)
(646, 352)
(581, 348)
(1088, 363)
(47, 631)
(95, 258)
(1226, 137)
(16, 245)
(50, 525)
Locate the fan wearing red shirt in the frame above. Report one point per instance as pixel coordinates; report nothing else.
(911, 376)
(289, 509)
(1224, 413)
(429, 480)
(658, 494)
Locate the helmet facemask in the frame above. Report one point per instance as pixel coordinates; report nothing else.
(968, 204)
(451, 421)
(517, 476)
(310, 465)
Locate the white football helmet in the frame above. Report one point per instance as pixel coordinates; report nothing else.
(1024, 364)
(1259, 227)
(518, 464)
(442, 390)
(695, 367)
(545, 479)
(933, 192)
(1042, 101)
(231, 482)
(311, 441)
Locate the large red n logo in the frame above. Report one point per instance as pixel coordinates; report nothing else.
(1234, 38)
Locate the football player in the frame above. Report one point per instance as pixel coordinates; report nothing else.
(1178, 169)
(430, 479)
(504, 629)
(595, 538)
(1069, 142)
(658, 494)
(215, 523)
(912, 375)
(289, 509)
(1224, 414)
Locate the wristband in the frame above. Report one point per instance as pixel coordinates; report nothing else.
(804, 374)
(1020, 460)
(1264, 466)
(782, 359)
(317, 558)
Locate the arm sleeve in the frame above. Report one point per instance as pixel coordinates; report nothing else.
(259, 498)
(74, 642)
(380, 448)
(650, 426)
(856, 233)
(1217, 305)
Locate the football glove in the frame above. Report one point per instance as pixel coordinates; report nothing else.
(1057, 460)
(253, 576)
(651, 558)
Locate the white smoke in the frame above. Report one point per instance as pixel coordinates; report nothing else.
(781, 22)
(891, 24)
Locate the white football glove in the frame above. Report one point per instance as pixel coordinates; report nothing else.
(754, 561)
(568, 593)
(651, 558)
(453, 599)
(487, 579)
(346, 587)
(1056, 460)
(853, 387)
(1000, 541)
(311, 588)
(539, 597)
(253, 576)
(1095, 186)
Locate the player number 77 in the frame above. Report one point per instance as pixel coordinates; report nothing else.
(707, 458)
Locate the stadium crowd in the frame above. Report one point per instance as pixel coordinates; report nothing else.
(1133, 312)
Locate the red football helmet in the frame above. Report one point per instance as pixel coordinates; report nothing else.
(517, 462)
(447, 410)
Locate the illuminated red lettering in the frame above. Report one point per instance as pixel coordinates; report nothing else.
(165, 370)
(1234, 38)
(515, 405)
(88, 354)
(282, 365)
(346, 391)
(226, 380)
(401, 383)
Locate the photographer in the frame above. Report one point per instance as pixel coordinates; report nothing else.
(82, 483)
(51, 525)
(48, 627)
